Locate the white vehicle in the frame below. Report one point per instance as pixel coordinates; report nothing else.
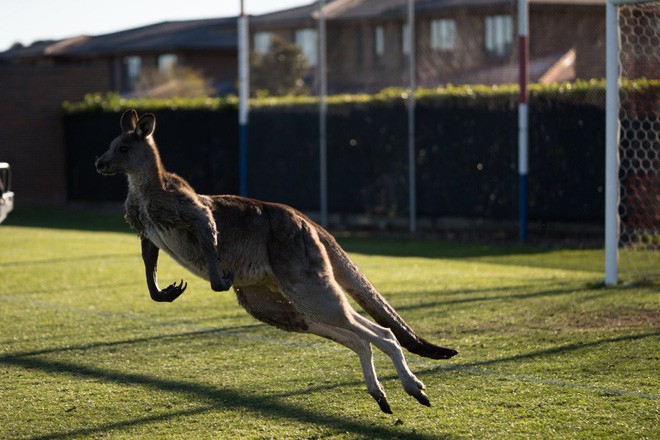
(6, 195)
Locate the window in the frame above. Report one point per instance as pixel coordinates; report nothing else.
(379, 41)
(262, 42)
(499, 35)
(443, 34)
(405, 39)
(132, 68)
(306, 41)
(166, 63)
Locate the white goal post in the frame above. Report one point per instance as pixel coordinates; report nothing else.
(632, 140)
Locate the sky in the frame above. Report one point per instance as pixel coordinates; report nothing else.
(26, 21)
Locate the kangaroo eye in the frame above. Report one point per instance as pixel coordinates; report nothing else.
(123, 149)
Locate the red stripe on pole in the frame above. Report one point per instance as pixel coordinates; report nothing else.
(522, 77)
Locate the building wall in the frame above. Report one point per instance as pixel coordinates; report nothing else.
(220, 67)
(554, 30)
(559, 29)
(438, 67)
(31, 132)
(353, 64)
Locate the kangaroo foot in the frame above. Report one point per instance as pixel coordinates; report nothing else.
(422, 398)
(416, 390)
(381, 399)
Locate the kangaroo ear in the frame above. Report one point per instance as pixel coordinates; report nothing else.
(128, 121)
(146, 125)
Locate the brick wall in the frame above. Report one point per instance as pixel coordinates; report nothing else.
(31, 131)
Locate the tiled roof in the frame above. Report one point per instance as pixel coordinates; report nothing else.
(220, 33)
(292, 16)
(216, 34)
(361, 9)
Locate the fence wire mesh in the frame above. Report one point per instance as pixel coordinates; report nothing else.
(639, 147)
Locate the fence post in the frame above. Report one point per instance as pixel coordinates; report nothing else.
(611, 145)
(523, 148)
(323, 107)
(243, 96)
(412, 190)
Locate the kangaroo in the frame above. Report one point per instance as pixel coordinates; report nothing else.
(286, 270)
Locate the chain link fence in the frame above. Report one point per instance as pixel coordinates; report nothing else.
(639, 144)
(369, 49)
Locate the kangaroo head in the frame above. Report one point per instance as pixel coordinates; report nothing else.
(133, 151)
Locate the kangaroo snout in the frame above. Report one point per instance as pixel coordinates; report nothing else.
(102, 166)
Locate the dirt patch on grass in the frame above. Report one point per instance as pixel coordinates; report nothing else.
(618, 318)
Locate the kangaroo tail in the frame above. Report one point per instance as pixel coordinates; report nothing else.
(353, 281)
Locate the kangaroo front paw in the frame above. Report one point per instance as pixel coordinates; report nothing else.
(170, 293)
(224, 283)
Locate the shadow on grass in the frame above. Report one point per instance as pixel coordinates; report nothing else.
(269, 405)
(561, 349)
(406, 247)
(600, 291)
(80, 259)
(554, 351)
(110, 219)
(221, 398)
(103, 219)
(219, 330)
(109, 427)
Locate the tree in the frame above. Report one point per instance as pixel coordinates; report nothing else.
(279, 71)
(177, 82)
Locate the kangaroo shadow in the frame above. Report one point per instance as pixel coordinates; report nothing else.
(210, 398)
(221, 398)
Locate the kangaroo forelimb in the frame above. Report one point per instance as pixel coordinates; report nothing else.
(224, 284)
(150, 258)
(207, 235)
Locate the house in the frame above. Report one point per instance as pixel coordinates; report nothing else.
(456, 41)
(35, 80)
(205, 45)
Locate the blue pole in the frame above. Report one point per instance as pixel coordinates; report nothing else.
(522, 207)
(243, 160)
(412, 191)
(523, 153)
(243, 96)
(323, 109)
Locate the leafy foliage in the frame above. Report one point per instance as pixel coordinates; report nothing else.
(114, 102)
(279, 71)
(464, 95)
(177, 82)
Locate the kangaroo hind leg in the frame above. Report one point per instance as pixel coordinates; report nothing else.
(322, 300)
(363, 350)
(274, 309)
(384, 339)
(305, 275)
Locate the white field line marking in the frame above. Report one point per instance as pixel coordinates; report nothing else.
(327, 347)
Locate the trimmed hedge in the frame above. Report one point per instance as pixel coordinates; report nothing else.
(466, 141)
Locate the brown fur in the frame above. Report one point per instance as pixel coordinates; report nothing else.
(286, 270)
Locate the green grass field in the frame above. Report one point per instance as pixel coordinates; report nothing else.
(545, 350)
